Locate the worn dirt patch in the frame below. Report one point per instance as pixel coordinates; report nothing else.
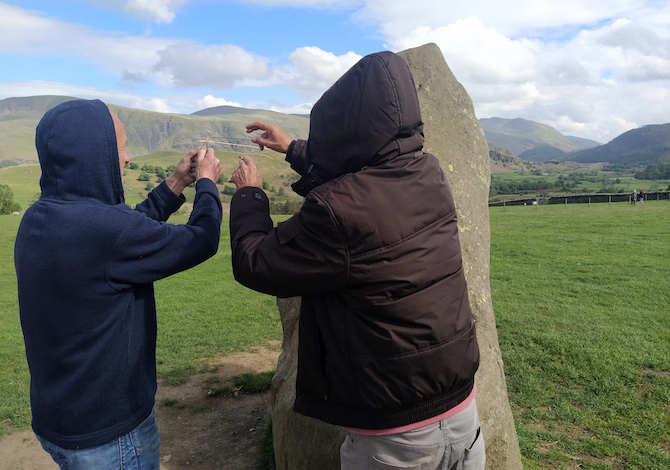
(198, 430)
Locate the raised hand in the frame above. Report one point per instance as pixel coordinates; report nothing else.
(272, 137)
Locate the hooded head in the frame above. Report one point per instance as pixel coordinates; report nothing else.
(78, 152)
(370, 115)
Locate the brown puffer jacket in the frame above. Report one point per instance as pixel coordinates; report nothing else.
(386, 332)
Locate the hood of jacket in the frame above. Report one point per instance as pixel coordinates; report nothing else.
(78, 153)
(370, 115)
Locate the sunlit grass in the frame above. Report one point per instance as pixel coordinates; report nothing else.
(582, 301)
(581, 296)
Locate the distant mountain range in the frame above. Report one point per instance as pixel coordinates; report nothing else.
(646, 145)
(150, 132)
(522, 138)
(535, 142)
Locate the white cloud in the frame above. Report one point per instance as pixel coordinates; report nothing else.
(629, 50)
(161, 11)
(27, 33)
(221, 66)
(210, 101)
(593, 69)
(312, 70)
(167, 63)
(302, 108)
(511, 18)
(585, 68)
(477, 53)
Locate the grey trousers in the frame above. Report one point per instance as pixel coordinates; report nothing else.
(455, 443)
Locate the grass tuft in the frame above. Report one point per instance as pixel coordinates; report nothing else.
(254, 383)
(266, 457)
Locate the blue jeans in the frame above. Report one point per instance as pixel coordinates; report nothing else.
(137, 450)
(455, 443)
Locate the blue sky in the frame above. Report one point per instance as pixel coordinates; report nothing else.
(589, 68)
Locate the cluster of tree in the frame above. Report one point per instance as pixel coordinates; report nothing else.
(621, 168)
(581, 176)
(230, 190)
(659, 171)
(147, 170)
(7, 204)
(525, 186)
(567, 183)
(287, 207)
(6, 163)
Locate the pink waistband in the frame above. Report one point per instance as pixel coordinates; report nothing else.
(410, 427)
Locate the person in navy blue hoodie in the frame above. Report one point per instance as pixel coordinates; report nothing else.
(85, 264)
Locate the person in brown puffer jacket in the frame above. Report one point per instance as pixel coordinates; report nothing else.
(387, 343)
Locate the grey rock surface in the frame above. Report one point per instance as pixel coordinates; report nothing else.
(455, 137)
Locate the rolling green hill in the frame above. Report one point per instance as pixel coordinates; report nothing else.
(535, 142)
(646, 145)
(521, 135)
(543, 153)
(153, 138)
(30, 107)
(148, 131)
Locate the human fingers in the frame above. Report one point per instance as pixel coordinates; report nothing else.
(261, 140)
(194, 153)
(203, 163)
(191, 153)
(257, 140)
(246, 160)
(211, 168)
(256, 126)
(199, 156)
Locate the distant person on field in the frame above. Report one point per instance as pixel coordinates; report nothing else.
(641, 197)
(634, 197)
(85, 264)
(387, 345)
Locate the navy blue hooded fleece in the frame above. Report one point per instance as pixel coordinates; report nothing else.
(85, 265)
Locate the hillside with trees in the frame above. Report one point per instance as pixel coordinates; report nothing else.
(644, 146)
(148, 131)
(515, 144)
(521, 135)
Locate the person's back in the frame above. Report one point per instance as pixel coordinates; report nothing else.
(387, 344)
(85, 264)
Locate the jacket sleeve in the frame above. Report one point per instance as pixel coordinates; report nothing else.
(296, 156)
(160, 203)
(148, 250)
(304, 255)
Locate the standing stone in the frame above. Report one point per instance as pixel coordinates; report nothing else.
(454, 135)
(300, 442)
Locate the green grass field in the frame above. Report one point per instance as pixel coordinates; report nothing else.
(582, 302)
(605, 182)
